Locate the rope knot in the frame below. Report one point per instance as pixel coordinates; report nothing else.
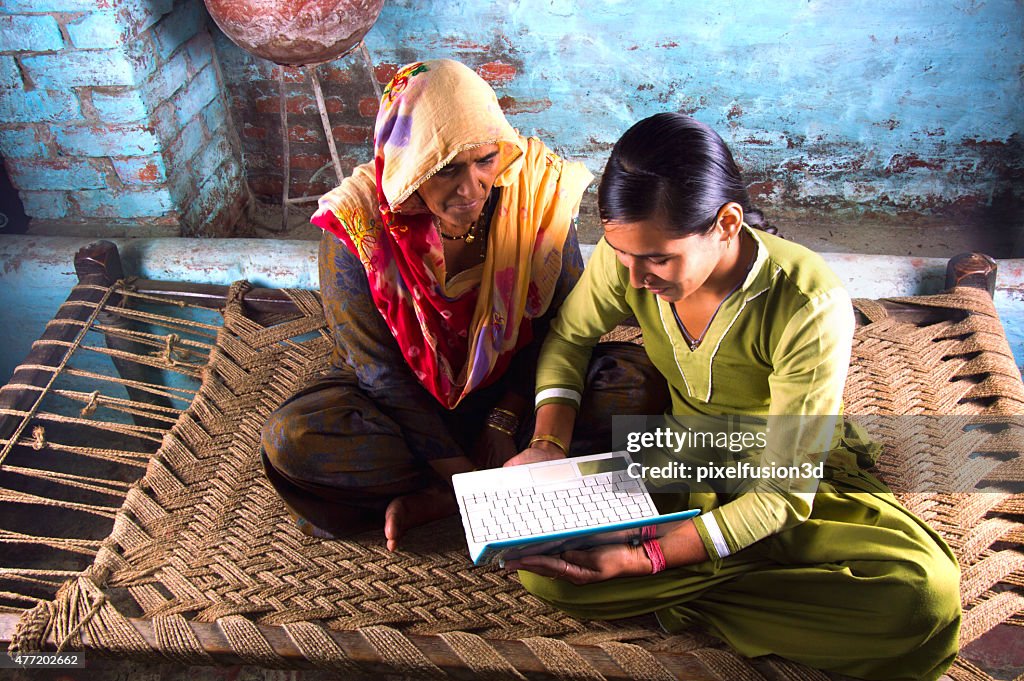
(171, 349)
(38, 438)
(90, 406)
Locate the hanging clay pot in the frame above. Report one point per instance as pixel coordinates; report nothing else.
(295, 31)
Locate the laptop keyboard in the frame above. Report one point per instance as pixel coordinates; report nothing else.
(596, 500)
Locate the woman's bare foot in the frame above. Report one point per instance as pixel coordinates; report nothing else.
(413, 510)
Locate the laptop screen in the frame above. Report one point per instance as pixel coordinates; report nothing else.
(609, 465)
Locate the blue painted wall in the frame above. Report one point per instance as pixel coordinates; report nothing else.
(865, 105)
(867, 101)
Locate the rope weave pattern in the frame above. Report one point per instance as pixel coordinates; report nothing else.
(201, 537)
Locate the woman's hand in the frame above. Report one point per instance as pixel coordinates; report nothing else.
(535, 454)
(586, 567)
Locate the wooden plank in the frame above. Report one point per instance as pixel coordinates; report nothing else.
(680, 665)
(215, 296)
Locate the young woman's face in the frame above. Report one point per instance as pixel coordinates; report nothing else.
(456, 194)
(672, 268)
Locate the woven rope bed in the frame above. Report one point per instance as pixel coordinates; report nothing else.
(203, 566)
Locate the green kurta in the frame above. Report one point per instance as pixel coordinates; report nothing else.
(844, 579)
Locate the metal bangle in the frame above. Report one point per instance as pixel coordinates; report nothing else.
(553, 440)
(504, 420)
(500, 429)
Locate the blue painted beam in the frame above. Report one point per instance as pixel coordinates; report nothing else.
(37, 272)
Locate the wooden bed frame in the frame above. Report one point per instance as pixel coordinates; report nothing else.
(99, 265)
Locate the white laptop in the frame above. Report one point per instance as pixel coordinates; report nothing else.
(554, 506)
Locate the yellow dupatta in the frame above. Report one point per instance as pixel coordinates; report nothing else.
(459, 336)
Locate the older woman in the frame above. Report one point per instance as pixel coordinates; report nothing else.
(441, 264)
(740, 322)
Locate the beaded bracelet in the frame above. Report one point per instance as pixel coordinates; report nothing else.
(553, 440)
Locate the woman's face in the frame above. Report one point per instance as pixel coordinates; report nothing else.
(456, 194)
(670, 267)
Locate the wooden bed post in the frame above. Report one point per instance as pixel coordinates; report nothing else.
(975, 270)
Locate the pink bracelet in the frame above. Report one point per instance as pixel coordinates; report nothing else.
(653, 550)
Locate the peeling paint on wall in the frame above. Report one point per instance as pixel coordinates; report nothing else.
(863, 105)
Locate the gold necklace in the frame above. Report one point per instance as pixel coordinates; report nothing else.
(469, 236)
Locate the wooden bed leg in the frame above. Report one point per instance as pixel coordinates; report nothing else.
(100, 263)
(975, 270)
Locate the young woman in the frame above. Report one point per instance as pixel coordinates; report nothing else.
(739, 321)
(441, 263)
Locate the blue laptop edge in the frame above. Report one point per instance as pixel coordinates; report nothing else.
(493, 550)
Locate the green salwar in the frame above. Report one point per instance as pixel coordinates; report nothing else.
(861, 588)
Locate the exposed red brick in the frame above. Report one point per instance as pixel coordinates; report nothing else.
(669, 45)
(735, 111)
(968, 203)
(385, 72)
(266, 104)
(368, 107)
(761, 190)
(496, 72)
(264, 185)
(352, 134)
(298, 104)
(149, 173)
(300, 133)
(594, 144)
(309, 161)
(292, 74)
(511, 105)
(335, 74)
(254, 131)
(302, 104)
(334, 104)
(983, 144)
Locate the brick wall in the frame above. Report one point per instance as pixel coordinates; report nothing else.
(113, 118)
(255, 105)
(350, 101)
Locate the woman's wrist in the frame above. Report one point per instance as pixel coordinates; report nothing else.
(683, 546)
(550, 443)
